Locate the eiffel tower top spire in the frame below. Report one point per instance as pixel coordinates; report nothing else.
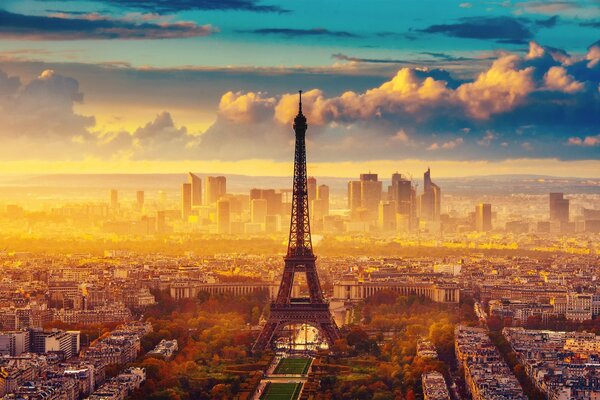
(300, 244)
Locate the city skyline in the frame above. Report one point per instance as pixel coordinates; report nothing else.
(469, 89)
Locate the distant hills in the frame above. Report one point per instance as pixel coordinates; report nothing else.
(493, 184)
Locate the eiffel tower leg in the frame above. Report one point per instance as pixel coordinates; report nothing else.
(266, 336)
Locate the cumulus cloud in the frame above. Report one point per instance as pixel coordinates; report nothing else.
(588, 141)
(43, 107)
(93, 26)
(523, 99)
(557, 78)
(519, 106)
(245, 108)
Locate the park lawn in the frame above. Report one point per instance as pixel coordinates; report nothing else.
(293, 366)
(282, 391)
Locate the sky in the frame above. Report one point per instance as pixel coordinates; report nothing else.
(463, 87)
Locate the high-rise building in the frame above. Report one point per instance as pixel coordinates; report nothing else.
(354, 195)
(139, 196)
(223, 216)
(387, 216)
(215, 187)
(186, 200)
(274, 199)
(431, 199)
(323, 197)
(370, 193)
(483, 217)
(258, 211)
(559, 208)
(311, 187)
(196, 183)
(114, 199)
(401, 191)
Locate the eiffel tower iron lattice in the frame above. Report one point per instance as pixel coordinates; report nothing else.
(286, 310)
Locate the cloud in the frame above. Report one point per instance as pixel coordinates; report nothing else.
(503, 28)
(245, 108)
(530, 101)
(93, 26)
(590, 24)
(498, 89)
(465, 5)
(43, 107)
(292, 33)
(487, 139)
(520, 105)
(581, 9)
(557, 79)
(446, 145)
(547, 23)
(344, 57)
(170, 6)
(588, 141)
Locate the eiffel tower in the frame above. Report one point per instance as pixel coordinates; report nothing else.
(286, 310)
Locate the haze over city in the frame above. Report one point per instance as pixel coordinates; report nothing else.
(273, 200)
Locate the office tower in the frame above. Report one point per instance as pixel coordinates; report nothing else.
(430, 199)
(354, 195)
(196, 183)
(370, 193)
(483, 217)
(223, 216)
(559, 208)
(114, 199)
(258, 211)
(215, 187)
(139, 195)
(387, 216)
(186, 200)
(274, 199)
(323, 197)
(311, 187)
(401, 191)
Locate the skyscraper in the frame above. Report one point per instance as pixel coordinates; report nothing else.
(215, 187)
(370, 193)
(139, 195)
(258, 211)
(483, 217)
(311, 187)
(273, 198)
(196, 183)
(354, 195)
(323, 197)
(401, 192)
(430, 199)
(223, 216)
(186, 200)
(387, 216)
(559, 208)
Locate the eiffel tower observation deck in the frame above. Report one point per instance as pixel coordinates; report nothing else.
(285, 310)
